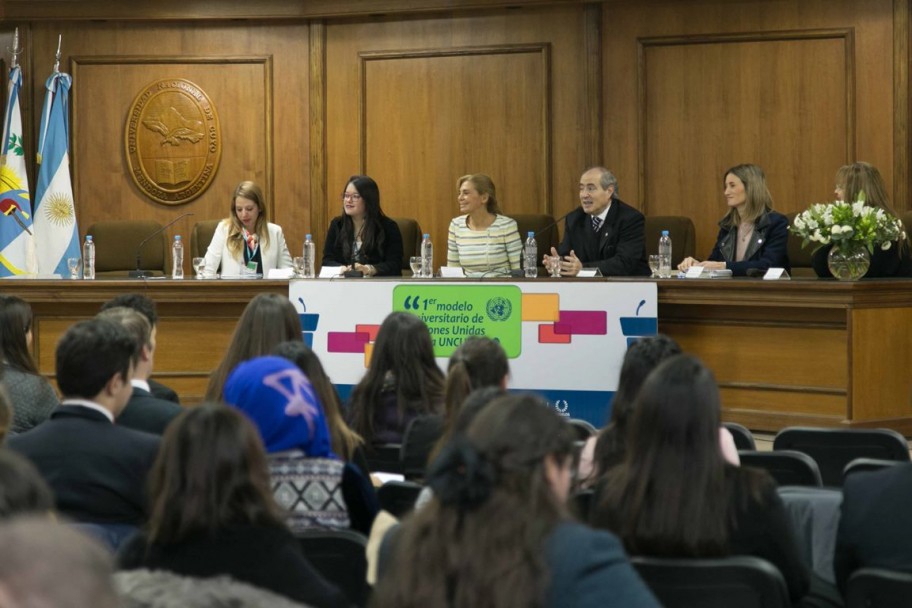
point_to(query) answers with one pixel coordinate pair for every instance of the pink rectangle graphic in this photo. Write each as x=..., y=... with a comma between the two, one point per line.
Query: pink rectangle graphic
x=582, y=322
x=346, y=341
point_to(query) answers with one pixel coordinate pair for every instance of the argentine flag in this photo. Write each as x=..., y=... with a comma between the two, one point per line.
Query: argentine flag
x=17, y=247
x=56, y=233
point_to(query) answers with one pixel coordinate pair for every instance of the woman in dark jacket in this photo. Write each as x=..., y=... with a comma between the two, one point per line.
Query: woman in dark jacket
x=363, y=238
x=752, y=237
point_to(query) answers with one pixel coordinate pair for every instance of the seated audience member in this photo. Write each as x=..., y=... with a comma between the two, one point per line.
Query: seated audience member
x=875, y=524
x=482, y=241
x=213, y=513
x=345, y=442
x=676, y=496
x=311, y=484
x=267, y=321
x=144, y=412
x=752, y=237
x=246, y=241
x=607, y=449
x=32, y=397
x=402, y=381
x=50, y=565
x=604, y=233
x=22, y=489
x=363, y=238
x=851, y=182
x=96, y=469
x=497, y=532
x=146, y=308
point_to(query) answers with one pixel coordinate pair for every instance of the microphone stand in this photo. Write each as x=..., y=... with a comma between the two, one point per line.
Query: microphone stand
x=139, y=273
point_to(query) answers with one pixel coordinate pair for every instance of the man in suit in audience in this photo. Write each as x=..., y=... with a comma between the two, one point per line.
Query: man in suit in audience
x=875, y=525
x=144, y=411
x=604, y=233
x=96, y=469
x=146, y=308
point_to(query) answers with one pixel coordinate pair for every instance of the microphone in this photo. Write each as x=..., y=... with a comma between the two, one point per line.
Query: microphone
x=552, y=225
x=139, y=273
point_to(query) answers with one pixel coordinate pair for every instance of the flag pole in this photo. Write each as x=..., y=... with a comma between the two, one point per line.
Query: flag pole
x=15, y=50
x=57, y=61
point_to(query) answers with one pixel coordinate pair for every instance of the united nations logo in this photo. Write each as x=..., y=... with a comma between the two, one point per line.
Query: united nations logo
x=173, y=141
x=562, y=407
x=499, y=309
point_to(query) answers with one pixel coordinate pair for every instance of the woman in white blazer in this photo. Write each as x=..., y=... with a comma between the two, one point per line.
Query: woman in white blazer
x=246, y=242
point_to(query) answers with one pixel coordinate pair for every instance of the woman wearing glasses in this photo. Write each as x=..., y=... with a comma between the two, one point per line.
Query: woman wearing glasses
x=363, y=238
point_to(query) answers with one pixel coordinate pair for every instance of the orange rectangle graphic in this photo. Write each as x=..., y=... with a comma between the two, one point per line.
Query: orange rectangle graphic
x=540, y=307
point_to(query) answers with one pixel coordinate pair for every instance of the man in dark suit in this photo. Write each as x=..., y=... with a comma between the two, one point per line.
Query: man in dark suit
x=875, y=525
x=146, y=308
x=144, y=411
x=96, y=469
x=604, y=233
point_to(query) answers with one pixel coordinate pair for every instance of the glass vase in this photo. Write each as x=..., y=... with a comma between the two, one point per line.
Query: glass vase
x=849, y=261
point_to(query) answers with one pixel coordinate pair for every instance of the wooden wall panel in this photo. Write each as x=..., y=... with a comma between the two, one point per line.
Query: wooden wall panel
x=760, y=90
x=692, y=88
x=256, y=77
x=419, y=102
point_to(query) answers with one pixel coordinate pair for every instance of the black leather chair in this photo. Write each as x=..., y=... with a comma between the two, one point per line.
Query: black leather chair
x=787, y=467
x=116, y=244
x=201, y=236
x=411, y=241
x=384, y=457
x=398, y=497
x=866, y=465
x=876, y=588
x=419, y=439
x=742, y=581
x=340, y=556
x=546, y=231
x=744, y=439
x=833, y=449
x=680, y=229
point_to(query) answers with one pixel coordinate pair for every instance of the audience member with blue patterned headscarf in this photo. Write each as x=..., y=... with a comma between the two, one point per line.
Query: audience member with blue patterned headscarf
x=315, y=487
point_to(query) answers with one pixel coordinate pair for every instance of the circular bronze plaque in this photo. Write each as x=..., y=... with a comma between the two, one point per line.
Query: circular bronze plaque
x=173, y=141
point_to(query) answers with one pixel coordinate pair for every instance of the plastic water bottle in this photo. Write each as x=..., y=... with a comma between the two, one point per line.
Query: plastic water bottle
x=177, y=258
x=310, y=253
x=665, y=255
x=427, y=256
x=88, y=258
x=530, y=256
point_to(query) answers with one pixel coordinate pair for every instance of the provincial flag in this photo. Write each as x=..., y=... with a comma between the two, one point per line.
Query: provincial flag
x=56, y=233
x=17, y=247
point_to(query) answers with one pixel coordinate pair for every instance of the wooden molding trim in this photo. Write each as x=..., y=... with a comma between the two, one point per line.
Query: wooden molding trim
x=543, y=49
x=265, y=61
x=592, y=21
x=901, y=144
x=846, y=34
x=318, y=178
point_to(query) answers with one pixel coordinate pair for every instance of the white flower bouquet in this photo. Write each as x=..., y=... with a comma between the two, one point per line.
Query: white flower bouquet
x=847, y=224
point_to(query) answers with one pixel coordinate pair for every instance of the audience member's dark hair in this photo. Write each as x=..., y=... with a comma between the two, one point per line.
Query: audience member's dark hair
x=402, y=360
x=211, y=472
x=22, y=489
x=471, y=406
x=89, y=354
x=15, y=323
x=134, y=322
x=268, y=320
x=641, y=358
x=6, y=414
x=47, y=564
x=478, y=362
x=480, y=541
x=671, y=494
x=344, y=440
x=140, y=303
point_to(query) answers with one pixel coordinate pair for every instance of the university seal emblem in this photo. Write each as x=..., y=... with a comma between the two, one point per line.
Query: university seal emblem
x=173, y=141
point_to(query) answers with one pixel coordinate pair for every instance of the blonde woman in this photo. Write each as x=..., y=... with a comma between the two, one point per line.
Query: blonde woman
x=245, y=241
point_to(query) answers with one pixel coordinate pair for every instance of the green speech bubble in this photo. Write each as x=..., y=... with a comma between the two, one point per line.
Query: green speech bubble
x=455, y=312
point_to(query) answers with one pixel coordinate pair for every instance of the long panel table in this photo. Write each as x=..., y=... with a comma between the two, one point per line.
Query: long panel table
x=807, y=352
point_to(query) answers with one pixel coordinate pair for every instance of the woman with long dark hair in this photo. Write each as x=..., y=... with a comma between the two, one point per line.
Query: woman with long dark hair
x=496, y=533
x=402, y=381
x=268, y=320
x=32, y=397
x=363, y=238
x=675, y=495
x=213, y=513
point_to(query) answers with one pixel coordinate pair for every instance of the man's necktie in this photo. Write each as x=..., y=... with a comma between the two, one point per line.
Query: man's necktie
x=596, y=223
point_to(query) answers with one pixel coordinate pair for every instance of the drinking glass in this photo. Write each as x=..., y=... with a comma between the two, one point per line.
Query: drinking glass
x=654, y=265
x=415, y=263
x=554, y=266
x=73, y=266
x=298, y=264
x=199, y=266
